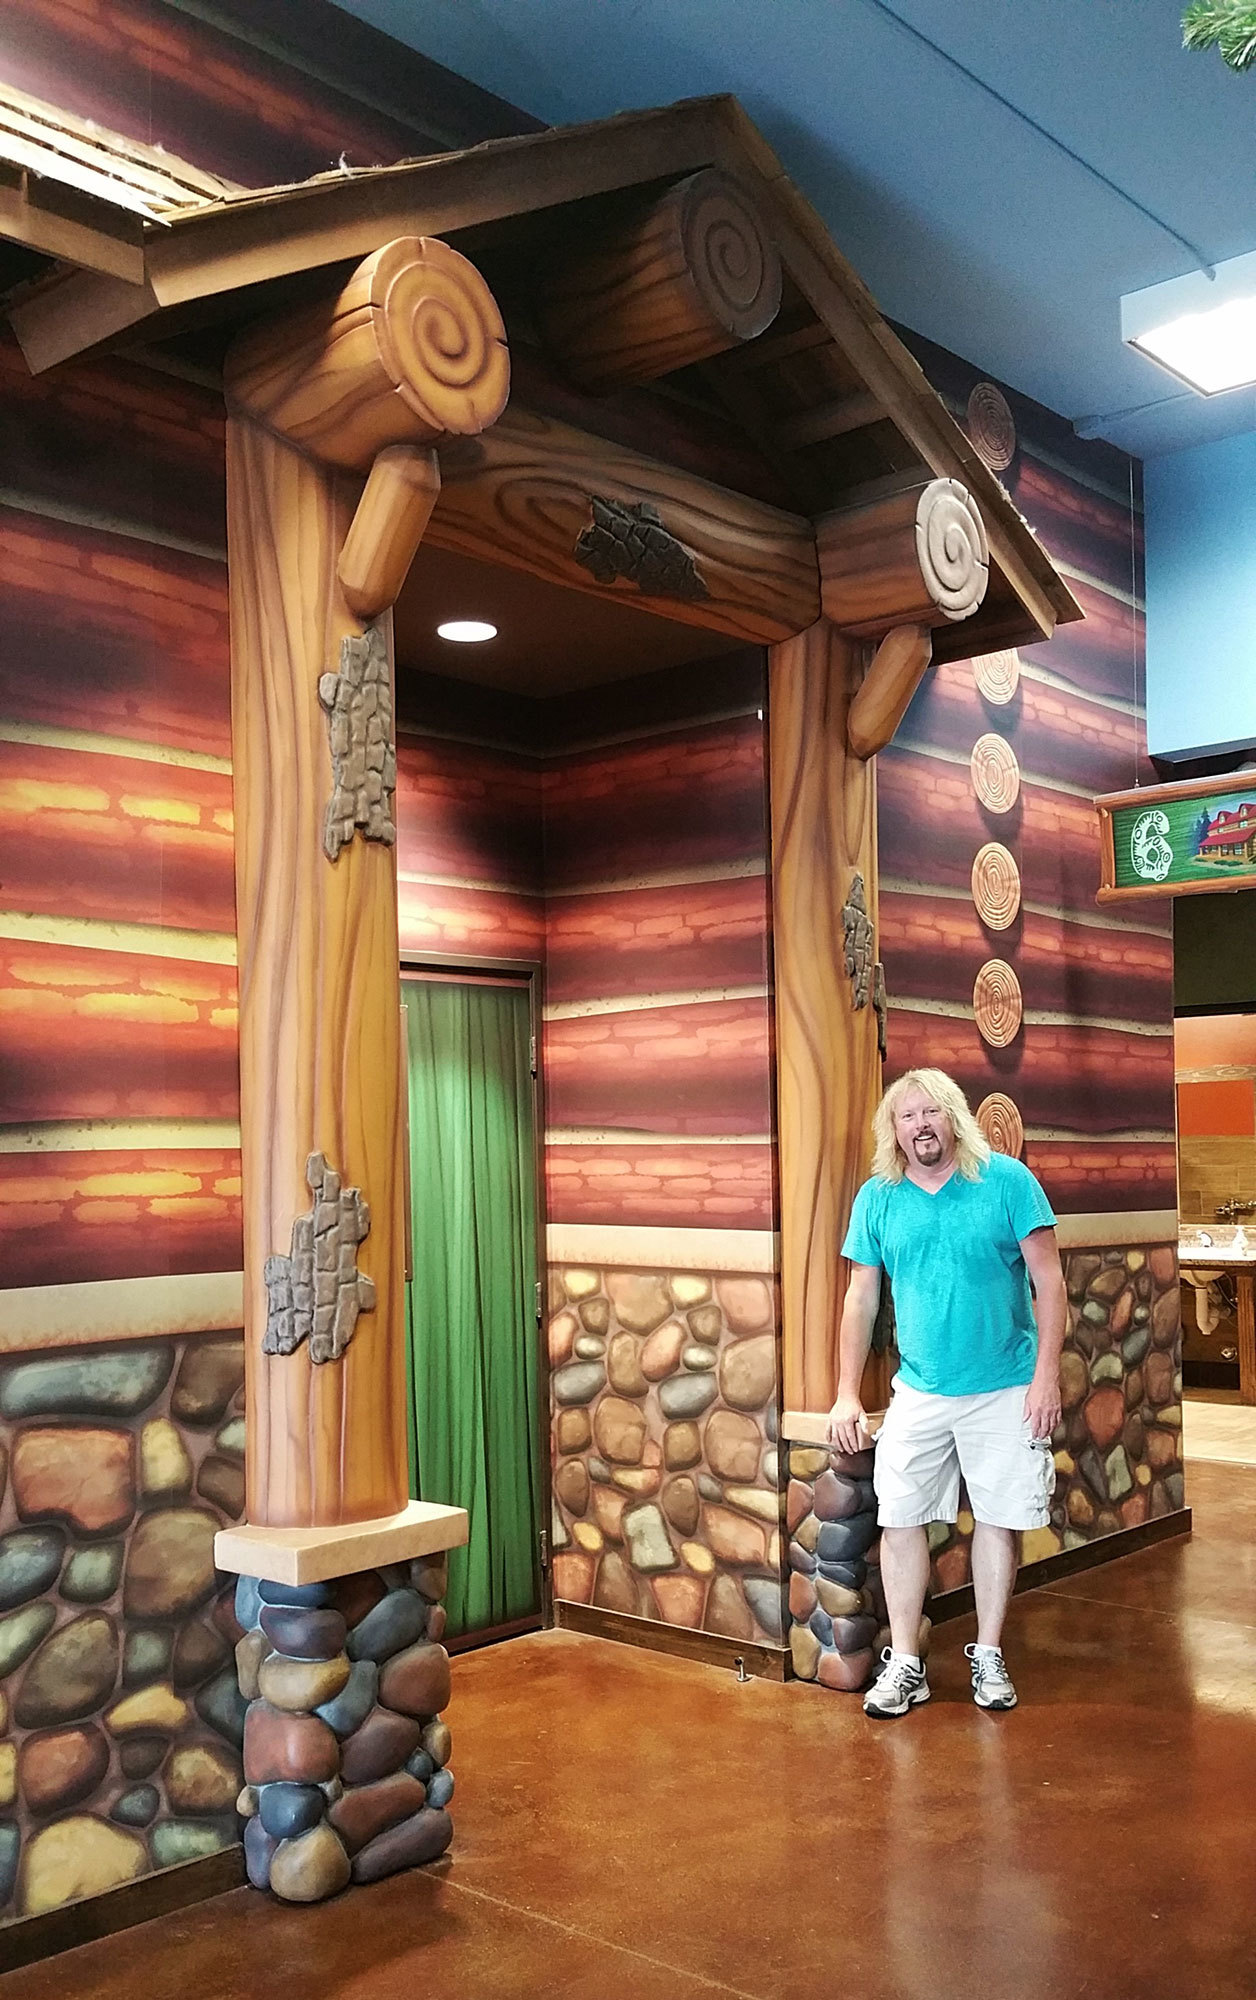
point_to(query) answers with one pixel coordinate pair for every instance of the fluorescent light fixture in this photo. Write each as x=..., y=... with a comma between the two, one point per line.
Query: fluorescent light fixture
x=1203, y=330
x=466, y=631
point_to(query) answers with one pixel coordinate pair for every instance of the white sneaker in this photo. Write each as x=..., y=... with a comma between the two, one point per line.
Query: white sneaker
x=992, y=1684
x=900, y=1683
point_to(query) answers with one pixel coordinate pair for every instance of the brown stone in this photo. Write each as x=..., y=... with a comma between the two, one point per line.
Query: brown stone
x=661, y=1352
x=747, y=1303
x=58, y=1769
x=748, y=1372
x=170, y=1565
x=298, y=1686
x=437, y=1741
x=836, y=1497
x=623, y=1369
x=638, y=1479
x=733, y=1444
x=140, y=1756
x=572, y=1432
x=249, y=1653
x=357, y=1595
x=1074, y=1379
x=1080, y=1508
x=806, y=1461
x=298, y=1748
x=561, y=1337
x=310, y=1868
x=85, y=1477
x=727, y=1611
x=595, y=1316
x=682, y=1446
x=430, y=1576
x=608, y=1509
x=199, y=1651
x=209, y=1375
x=416, y=1682
x=379, y=1747
x=1122, y=1312
x=571, y=1484
x=855, y=1464
x=1133, y=1388
x=1105, y=1415
x=616, y=1587
x=1163, y=1449
x=797, y=1503
x=1133, y=1437
x=75, y=1858
x=221, y=1481
x=408, y=1845
x=732, y=1537
x=802, y=1596
x=680, y=1504
x=838, y=1600
x=807, y=1533
x=804, y=1650
x=680, y=1599
x=1158, y=1377
x=1108, y=1282
x=573, y=1578
x=1163, y=1263
x=619, y=1428
x=202, y=1778
x=641, y=1299
x=72, y=1675
x=706, y=1324
x=1134, y=1510
x=846, y=1672
x=366, y=1811
x=951, y=1568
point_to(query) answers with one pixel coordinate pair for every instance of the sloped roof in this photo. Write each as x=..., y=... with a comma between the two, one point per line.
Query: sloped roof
x=849, y=410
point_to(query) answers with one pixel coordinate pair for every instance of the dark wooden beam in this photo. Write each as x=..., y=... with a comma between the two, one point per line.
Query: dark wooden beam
x=830, y=420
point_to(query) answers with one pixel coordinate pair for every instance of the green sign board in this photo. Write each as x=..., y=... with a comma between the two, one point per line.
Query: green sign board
x=1163, y=843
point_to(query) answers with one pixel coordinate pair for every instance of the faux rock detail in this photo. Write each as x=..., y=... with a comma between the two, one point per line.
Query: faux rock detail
x=836, y=1603
x=359, y=706
x=120, y=1721
x=667, y=1500
x=345, y=1752
x=316, y=1292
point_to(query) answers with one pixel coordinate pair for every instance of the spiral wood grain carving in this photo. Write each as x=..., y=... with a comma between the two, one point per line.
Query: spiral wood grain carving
x=440, y=334
x=1000, y=1121
x=996, y=886
x=997, y=1004
x=991, y=427
x=951, y=548
x=732, y=261
x=997, y=676
x=995, y=773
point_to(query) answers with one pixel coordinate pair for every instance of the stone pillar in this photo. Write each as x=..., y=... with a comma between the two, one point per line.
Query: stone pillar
x=346, y=1757
x=836, y=1603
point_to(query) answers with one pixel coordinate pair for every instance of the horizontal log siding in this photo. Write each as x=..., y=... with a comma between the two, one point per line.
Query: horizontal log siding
x=68, y=1218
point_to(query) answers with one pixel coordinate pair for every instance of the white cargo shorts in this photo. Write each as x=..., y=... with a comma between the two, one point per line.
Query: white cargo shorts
x=927, y=1442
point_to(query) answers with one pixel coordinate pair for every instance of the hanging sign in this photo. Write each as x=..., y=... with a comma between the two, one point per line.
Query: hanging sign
x=1178, y=839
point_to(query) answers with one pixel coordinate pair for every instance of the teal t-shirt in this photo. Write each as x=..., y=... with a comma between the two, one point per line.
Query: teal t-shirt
x=961, y=1290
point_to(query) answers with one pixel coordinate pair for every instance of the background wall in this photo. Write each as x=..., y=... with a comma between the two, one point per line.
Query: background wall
x=1216, y=1095
x=1201, y=608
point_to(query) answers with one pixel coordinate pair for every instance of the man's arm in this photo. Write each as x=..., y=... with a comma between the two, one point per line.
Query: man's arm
x=848, y=1428
x=1042, y=1398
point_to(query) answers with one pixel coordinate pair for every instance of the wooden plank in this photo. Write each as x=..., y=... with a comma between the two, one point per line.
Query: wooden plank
x=710, y=1649
x=312, y=1555
x=1245, y=1288
x=37, y=1318
x=161, y=1894
x=830, y=420
x=110, y=245
x=522, y=492
x=828, y=1071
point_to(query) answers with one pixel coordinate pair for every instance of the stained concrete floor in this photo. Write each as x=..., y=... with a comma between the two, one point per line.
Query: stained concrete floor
x=631, y=1827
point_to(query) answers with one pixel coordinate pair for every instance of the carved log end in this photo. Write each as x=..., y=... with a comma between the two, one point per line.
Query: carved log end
x=441, y=336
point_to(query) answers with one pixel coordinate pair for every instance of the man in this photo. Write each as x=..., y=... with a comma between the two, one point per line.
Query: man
x=960, y=1232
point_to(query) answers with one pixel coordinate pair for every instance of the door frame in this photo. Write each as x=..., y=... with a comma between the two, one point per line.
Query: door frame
x=528, y=973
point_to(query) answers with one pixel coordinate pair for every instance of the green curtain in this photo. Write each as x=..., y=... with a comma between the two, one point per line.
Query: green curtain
x=472, y=1347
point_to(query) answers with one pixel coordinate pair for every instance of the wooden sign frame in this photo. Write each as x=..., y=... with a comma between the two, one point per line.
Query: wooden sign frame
x=1156, y=800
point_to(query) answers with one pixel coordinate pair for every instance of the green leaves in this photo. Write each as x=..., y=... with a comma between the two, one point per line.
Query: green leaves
x=1226, y=25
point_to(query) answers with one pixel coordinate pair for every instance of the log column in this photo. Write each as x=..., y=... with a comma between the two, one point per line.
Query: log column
x=359, y=388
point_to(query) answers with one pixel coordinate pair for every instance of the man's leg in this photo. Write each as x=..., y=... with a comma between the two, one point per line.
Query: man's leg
x=905, y=1578
x=994, y=1574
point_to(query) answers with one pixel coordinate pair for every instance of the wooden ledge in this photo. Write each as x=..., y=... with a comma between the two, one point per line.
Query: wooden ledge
x=315, y=1555
x=811, y=1426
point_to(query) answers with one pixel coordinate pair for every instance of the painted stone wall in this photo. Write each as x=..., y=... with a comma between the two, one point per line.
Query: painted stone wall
x=120, y=1720
x=667, y=1490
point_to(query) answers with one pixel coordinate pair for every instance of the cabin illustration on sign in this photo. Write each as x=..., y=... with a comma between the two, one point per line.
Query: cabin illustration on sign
x=1231, y=836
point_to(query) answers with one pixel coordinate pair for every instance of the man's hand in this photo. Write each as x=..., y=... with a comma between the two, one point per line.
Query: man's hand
x=848, y=1425
x=1042, y=1405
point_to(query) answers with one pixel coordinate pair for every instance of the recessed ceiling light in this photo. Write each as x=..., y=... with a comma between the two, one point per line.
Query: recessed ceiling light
x=1201, y=329
x=466, y=631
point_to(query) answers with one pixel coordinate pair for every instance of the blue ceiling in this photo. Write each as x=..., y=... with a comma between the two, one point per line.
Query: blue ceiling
x=968, y=224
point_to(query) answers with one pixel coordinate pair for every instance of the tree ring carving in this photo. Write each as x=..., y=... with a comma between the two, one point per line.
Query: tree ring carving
x=951, y=548
x=441, y=336
x=731, y=258
x=991, y=426
x=996, y=886
x=997, y=1005
x=995, y=773
x=1001, y=1125
x=997, y=676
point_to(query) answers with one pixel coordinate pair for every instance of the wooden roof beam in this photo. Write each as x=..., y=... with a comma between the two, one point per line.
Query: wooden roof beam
x=832, y=419
x=97, y=238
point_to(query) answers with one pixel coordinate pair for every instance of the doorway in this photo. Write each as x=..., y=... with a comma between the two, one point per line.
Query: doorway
x=473, y=1365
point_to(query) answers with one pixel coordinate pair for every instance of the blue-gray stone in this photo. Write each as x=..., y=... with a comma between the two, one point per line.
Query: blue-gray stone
x=146, y=1656
x=91, y=1575
x=1134, y=1346
x=397, y=1621
x=286, y=1810
x=770, y=1423
x=1175, y=1487
x=440, y=1789
x=801, y=1559
x=307, y=1596
x=30, y=1563
x=599, y=1471
x=222, y=1706
x=578, y=1382
x=248, y=1602
x=354, y=1702
x=258, y=1849
x=684, y=1396
x=177, y=1840
x=822, y=1625
x=136, y=1807
x=21, y=1632
x=846, y=1541
x=764, y=1597
x=421, y=1766
x=1090, y=1465
x=851, y=1575
x=867, y=1496
x=709, y=1488
x=10, y=1854
x=99, y=1384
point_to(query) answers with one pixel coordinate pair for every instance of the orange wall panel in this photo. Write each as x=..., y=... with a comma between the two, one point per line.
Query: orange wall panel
x=1223, y=1109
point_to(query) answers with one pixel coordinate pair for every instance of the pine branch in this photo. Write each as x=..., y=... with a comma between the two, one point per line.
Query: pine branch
x=1229, y=26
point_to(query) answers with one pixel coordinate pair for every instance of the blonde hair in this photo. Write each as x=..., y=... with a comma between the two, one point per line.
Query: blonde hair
x=972, y=1149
